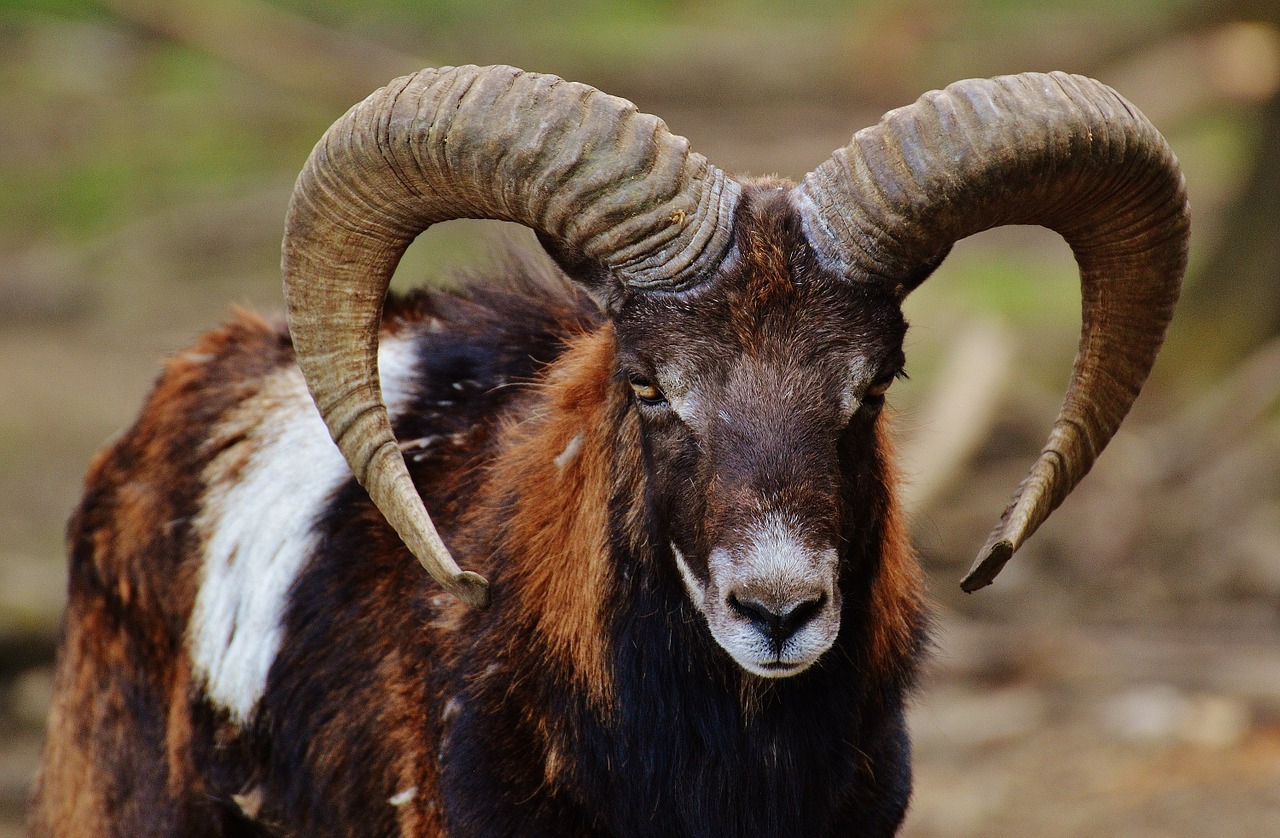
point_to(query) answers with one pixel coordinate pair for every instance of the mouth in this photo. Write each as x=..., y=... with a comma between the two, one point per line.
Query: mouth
x=777, y=668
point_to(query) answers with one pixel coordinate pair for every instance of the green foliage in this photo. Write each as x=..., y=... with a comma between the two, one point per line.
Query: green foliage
x=19, y=9
x=120, y=123
x=140, y=126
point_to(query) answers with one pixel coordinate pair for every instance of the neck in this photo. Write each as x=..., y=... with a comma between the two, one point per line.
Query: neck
x=568, y=459
x=594, y=657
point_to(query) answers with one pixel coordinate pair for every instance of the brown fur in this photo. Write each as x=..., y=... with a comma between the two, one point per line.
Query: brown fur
x=121, y=666
x=557, y=537
x=528, y=713
x=897, y=594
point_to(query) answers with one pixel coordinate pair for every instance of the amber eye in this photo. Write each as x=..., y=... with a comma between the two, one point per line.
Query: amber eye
x=646, y=391
x=877, y=390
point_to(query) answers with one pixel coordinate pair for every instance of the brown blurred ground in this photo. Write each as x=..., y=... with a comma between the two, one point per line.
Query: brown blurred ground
x=1122, y=678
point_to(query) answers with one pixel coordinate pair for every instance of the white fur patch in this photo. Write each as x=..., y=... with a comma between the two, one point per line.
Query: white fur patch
x=680, y=393
x=404, y=797
x=266, y=489
x=570, y=452
x=776, y=570
x=776, y=550
x=696, y=591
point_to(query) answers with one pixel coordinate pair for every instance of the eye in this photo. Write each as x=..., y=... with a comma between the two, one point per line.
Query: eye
x=879, y=388
x=646, y=391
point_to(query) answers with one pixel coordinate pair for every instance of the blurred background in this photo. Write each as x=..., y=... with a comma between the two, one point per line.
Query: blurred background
x=1123, y=675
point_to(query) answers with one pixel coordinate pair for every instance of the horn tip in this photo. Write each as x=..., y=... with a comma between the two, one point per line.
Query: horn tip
x=471, y=588
x=989, y=564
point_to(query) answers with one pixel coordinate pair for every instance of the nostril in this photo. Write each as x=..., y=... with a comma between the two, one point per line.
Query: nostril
x=755, y=611
x=778, y=626
x=797, y=617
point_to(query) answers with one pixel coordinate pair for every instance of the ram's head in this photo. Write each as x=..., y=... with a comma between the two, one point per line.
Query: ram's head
x=758, y=323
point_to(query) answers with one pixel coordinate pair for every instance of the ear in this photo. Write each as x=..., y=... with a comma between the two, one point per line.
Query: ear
x=599, y=284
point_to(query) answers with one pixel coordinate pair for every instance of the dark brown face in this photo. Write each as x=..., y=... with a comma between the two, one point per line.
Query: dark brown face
x=758, y=394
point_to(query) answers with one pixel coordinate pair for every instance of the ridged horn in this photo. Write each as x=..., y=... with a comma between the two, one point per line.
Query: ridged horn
x=1057, y=150
x=586, y=170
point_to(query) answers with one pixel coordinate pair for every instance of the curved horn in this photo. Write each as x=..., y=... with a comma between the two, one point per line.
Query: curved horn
x=1062, y=151
x=586, y=170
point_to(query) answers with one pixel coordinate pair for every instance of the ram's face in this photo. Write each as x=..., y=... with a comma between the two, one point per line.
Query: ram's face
x=758, y=395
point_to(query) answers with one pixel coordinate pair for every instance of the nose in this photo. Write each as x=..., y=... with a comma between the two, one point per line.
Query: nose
x=777, y=621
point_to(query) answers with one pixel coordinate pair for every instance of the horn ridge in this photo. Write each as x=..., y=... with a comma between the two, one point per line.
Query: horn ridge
x=585, y=169
x=1062, y=151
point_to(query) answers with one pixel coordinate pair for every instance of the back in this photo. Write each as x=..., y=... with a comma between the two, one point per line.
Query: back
x=199, y=527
